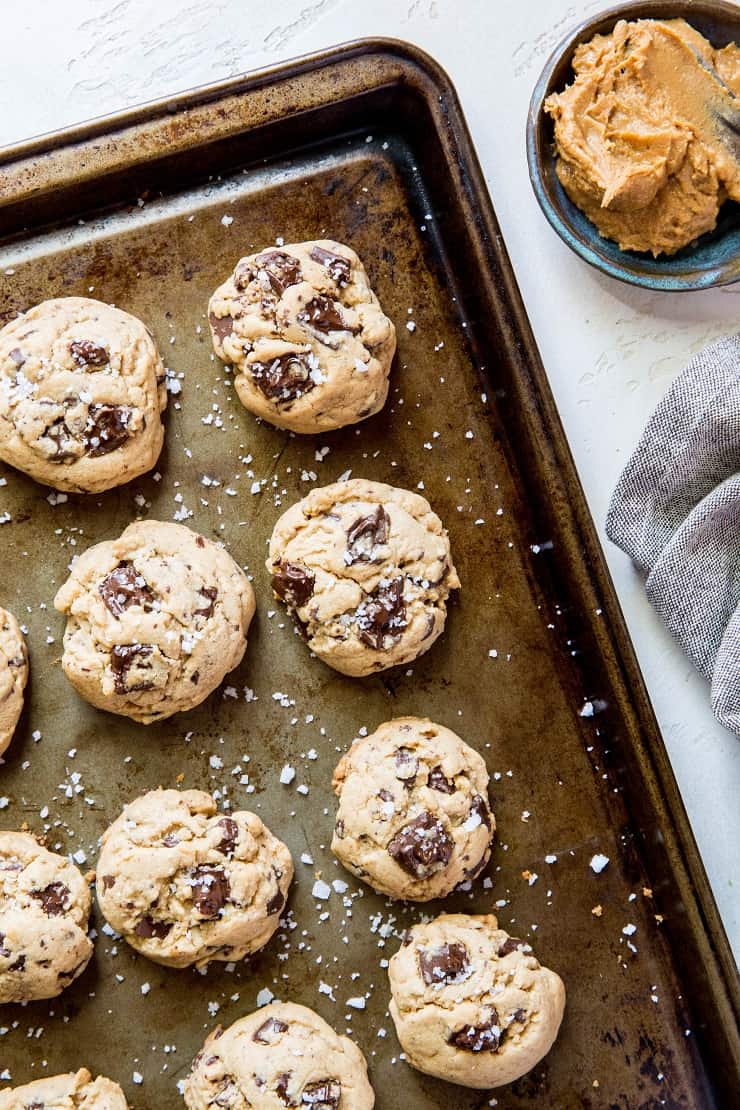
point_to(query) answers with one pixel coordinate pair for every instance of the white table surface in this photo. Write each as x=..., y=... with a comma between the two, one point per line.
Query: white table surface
x=610, y=350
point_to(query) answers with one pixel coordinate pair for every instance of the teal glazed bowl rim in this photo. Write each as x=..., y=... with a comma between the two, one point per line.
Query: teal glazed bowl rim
x=715, y=258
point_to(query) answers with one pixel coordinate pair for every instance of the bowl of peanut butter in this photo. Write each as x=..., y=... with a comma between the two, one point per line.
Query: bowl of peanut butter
x=633, y=143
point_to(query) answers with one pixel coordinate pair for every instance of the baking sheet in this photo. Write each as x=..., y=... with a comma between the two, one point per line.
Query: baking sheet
x=150, y=211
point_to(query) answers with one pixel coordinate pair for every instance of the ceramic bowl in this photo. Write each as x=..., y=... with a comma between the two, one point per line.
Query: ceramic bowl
x=712, y=260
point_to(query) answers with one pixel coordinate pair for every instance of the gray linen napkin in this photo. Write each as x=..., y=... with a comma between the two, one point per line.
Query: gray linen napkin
x=676, y=512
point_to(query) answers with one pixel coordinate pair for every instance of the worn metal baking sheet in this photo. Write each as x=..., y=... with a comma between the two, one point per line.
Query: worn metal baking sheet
x=150, y=210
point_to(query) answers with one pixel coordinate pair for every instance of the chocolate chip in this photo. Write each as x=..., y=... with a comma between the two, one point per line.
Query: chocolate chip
x=336, y=265
x=18, y=965
x=107, y=429
x=322, y=314
x=479, y=806
x=86, y=353
x=366, y=534
x=478, y=1038
x=446, y=964
x=282, y=270
x=147, y=928
x=438, y=781
x=124, y=586
x=284, y=378
x=53, y=898
x=221, y=326
x=382, y=618
x=276, y=903
x=421, y=847
x=122, y=659
x=407, y=766
x=520, y=1016
x=511, y=944
x=293, y=584
x=211, y=890
x=326, y=1094
x=281, y=1088
x=18, y=357
x=108, y=881
x=269, y=1030
x=209, y=595
x=230, y=835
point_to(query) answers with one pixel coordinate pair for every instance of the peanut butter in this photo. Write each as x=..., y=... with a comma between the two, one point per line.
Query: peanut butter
x=639, y=148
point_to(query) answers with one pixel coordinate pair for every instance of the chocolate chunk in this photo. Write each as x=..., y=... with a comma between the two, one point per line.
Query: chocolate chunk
x=438, y=781
x=322, y=314
x=269, y=1030
x=63, y=440
x=284, y=378
x=326, y=1094
x=293, y=584
x=122, y=659
x=147, y=928
x=124, y=586
x=480, y=807
x=407, y=766
x=511, y=944
x=209, y=595
x=382, y=617
x=170, y=840
x=108, y=882
x=230, y=835
x=337, y=267
x=475, y=870
x=221, y=325
x=18, y=965
x=520, y=1016
x=107, y=429
x=478, y=1038
x=18, y=357
x=447, y=964
x=211, y=890
x=385, y=795
x=281, y=1088
x=53, y=898
x=228, y=1093
x=421, y=847
x=282, y=270
x=366, y=534
x=276, y=903
x=4, y=952
x=86, y=353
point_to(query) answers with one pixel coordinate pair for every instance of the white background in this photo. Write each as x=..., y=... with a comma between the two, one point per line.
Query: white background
x=610, y=351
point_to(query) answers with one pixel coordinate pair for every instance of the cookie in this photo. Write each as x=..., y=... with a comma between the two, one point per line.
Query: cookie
x=44, y=907
x=310, y=344
x=13, y=676
x=366, y=569
x=82, y=390
x=155, y=620
x=184, y=884
x=470, y=1003
x=413, y=818
x=281, y=1055
x=74, y=1091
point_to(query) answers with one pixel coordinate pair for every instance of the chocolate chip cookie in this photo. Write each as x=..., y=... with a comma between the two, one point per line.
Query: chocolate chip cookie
x=74, y=1091
x=470, y=1003
x=413, y=818
x=13, y=676
x=82, y=390
x=155, y=620
x=281, y=1055
x=366, y=570
x=310, y=343
x=44, y=907
x=184, y=884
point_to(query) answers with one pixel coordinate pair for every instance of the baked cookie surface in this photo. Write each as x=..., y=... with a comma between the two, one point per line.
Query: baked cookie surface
x=311, y=345
x=13, y=676
x=470, y=1003
x=366, y=569
x=155, y=620
x=44, y=907
x=82, y=390
x=73, y=1091
x=413, y=818
x=184, y=884
x=281, y=1055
